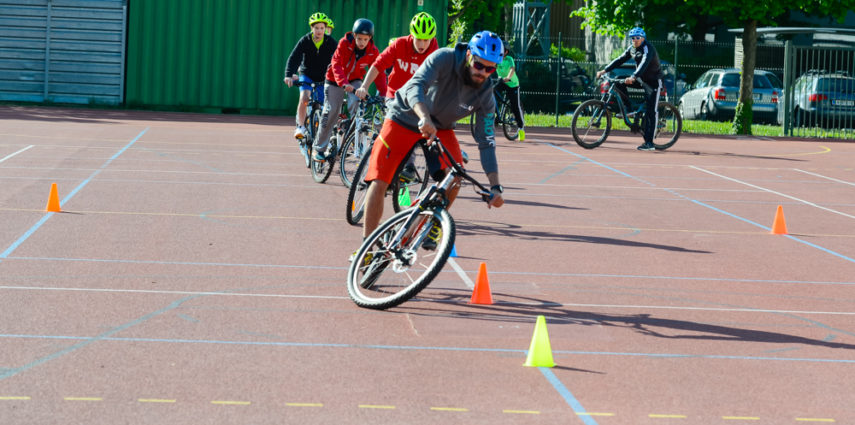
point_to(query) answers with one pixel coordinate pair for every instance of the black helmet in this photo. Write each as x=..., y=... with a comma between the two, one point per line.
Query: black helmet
x=363, y=26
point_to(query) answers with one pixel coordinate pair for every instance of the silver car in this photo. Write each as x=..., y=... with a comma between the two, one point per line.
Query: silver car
x=716, y=92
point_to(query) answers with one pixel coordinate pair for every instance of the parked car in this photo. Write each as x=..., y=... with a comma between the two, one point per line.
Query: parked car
x=825, y=99
x=716, y=92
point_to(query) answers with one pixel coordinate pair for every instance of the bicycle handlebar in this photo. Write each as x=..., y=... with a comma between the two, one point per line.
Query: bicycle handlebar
x=612, y=80
x=437, y=147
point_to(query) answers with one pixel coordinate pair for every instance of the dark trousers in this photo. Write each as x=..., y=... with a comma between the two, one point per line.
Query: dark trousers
x=513, y=95
x=651, y=100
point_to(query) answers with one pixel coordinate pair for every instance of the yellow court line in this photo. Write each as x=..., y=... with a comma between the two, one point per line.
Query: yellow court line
x=83, y=399
x=824, y=150
x=450, y=409
x=661, y=416
x=528, y=412
x=156, y=400
x=14, y=398
x=375, y=406
x=305, y=404
x=741, y=418
x=815, y=420
x=231, y=402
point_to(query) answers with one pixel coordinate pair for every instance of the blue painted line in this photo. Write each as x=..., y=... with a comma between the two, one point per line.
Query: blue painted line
x=562, y=171
x=39, y=224
x=812, y=245
x=26, y=235
x=521, y=353
x=87, y=341
x=567, y=395
x=181, y=263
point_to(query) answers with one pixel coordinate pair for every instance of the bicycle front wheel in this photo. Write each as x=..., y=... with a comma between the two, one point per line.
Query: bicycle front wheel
x=411, y=178
x=358, y=191
x=509, y=124
x=591, y=124
x=321, y=170
x=354, y=148
x=386, y=272
x=668, y=127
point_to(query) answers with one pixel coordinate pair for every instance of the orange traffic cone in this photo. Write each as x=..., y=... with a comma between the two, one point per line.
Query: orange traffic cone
x=53, y=200
x=779, y=226
x=481, y=293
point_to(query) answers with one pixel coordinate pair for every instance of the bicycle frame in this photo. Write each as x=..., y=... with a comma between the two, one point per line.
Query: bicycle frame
x=610, y=94
x=435, y=197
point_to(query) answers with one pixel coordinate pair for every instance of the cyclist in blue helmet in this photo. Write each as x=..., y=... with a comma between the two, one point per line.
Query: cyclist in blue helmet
x=648, y=76
x=448, y=86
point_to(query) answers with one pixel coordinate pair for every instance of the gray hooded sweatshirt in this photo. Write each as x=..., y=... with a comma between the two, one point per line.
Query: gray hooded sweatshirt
x=439, y=84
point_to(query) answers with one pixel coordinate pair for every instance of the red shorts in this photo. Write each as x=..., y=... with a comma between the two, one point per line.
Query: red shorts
x=394, y=143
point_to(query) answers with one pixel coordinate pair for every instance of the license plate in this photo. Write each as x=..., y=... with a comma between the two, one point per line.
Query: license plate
x=843, y=102
x=758, y=96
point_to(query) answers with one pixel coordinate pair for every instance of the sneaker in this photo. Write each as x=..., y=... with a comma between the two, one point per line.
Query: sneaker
x=300, y=132
x=646, y=147
x=365, y=261
x=319, y=155
x=430, y=242
x=522, y=135
x=408, y=174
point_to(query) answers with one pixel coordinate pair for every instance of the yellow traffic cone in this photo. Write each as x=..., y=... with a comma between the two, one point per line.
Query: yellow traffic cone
x=540, y=351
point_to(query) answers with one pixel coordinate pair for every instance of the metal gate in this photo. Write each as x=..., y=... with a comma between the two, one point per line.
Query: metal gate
x=819, y=87
x=62, y=51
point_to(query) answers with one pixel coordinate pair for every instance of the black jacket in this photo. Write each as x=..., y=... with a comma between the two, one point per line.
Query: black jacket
x=647, y=66
x=313, y=62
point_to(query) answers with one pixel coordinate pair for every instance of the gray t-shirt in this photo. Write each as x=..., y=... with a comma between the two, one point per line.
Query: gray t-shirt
x=439, y=84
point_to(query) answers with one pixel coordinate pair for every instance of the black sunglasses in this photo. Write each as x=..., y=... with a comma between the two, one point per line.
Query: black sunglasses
x=481, y=67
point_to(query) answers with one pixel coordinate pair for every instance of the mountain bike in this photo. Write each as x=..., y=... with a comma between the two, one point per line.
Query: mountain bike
x=358, y=135
x=313, y=120
x=393, y=263
x=504, y=117
x=592, y=120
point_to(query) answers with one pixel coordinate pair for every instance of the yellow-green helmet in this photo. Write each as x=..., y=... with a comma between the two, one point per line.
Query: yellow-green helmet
x=330, y=23
x=423, y=26
x=319, y=17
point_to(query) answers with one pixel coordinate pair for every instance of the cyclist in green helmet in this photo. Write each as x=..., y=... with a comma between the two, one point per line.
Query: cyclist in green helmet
x=312, y=54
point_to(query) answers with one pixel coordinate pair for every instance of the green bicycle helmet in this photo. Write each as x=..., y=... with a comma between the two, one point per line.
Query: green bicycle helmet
x=423, y=26
x=330, y=23
x=319, y=17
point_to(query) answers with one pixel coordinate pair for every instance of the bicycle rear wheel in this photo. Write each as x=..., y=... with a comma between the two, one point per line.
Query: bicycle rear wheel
x=411, y=178
x=668, y=127
x=591, y=124
x=509, y=124
x=385, y=273
x=358, y=191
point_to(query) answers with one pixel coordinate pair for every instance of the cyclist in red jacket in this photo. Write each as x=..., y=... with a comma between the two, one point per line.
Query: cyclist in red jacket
x=355, y=53
x=405, y=55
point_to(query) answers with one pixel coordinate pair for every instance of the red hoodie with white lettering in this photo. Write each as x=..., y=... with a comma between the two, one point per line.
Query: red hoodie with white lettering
x=406, y=61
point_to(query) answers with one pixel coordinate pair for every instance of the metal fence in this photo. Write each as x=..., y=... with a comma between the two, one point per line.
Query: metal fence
x=815, y=85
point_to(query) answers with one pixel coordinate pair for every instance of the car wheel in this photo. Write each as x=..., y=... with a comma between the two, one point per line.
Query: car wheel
x=705, y=113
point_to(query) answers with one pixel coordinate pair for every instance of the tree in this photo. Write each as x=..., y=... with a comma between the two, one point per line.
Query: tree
x=470, y=16
x=614, y=17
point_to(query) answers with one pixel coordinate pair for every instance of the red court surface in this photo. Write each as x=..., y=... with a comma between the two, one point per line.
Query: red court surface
x=196, y=275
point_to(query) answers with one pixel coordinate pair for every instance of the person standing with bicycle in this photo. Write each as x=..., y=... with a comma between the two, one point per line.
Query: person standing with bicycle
x=450, y=85
x=312, y=54
x=509, y=84
x=647, y=76
x=355, y=53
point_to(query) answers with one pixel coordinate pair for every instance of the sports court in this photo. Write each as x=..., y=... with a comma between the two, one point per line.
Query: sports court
x=196, y=274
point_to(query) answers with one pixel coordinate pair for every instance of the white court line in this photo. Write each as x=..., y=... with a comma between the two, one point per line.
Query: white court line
x=825, y=177
x=535, y=304
x=11, y=155
x=774, y=192
x=461, y=273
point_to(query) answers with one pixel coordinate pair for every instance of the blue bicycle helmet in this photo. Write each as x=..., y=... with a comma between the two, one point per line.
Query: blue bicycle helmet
x=487, y=45
x=637, y=31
